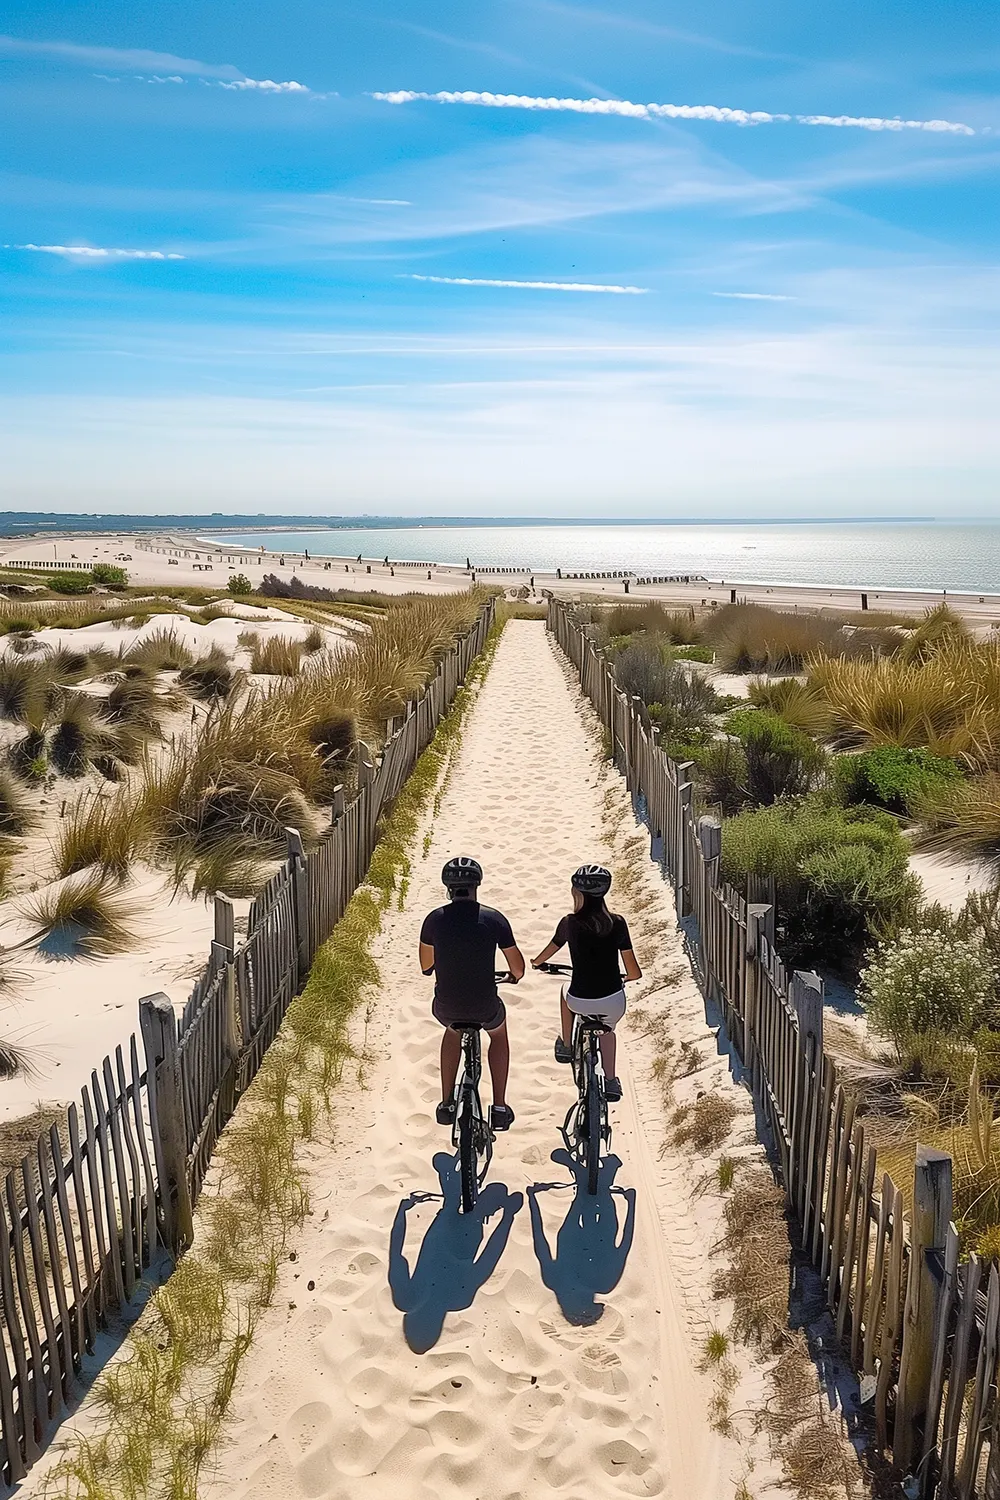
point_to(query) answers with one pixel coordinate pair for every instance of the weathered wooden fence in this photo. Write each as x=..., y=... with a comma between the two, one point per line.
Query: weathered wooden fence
x=922, y=1332
x=88, y=1210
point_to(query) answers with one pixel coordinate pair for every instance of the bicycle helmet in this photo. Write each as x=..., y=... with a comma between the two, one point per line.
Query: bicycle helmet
x=592, y=880
x=462, y=872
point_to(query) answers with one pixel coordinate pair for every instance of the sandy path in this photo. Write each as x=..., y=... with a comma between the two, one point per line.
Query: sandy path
x=413, y=1353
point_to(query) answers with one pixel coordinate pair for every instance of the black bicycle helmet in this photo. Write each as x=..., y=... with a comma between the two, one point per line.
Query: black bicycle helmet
x=462, y=871
x=592, y=880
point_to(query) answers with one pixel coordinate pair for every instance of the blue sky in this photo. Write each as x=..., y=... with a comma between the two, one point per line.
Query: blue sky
x=234, y=277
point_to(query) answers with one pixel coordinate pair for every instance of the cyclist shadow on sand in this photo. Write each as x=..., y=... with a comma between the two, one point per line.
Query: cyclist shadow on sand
x=591, y=1245
x=453, y=1261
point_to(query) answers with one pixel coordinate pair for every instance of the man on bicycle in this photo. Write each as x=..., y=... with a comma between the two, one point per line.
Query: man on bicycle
x=458, y=945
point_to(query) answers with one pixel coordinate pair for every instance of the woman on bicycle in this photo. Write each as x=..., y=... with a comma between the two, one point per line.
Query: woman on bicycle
x=595, y=936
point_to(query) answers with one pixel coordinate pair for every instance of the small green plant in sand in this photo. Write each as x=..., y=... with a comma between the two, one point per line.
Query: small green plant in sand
x=161, y=1406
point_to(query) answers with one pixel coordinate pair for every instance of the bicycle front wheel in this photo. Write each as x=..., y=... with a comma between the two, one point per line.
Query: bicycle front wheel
x=467, y=1160
x=592, y=1127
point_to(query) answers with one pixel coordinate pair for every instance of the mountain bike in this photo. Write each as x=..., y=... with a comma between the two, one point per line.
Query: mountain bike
x=472, y=1135
x=587, y=1125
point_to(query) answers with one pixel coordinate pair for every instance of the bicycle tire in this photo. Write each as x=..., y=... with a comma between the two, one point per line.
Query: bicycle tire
x=467, y=1160
x=593, y=1130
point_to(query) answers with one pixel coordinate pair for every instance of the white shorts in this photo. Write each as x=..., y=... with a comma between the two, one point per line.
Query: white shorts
x=610, y=1008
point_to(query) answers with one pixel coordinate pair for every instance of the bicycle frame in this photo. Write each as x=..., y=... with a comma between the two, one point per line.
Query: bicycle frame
x=469, y=1108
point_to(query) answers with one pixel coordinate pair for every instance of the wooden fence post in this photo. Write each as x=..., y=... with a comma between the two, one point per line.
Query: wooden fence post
x=806, y=993
x=685, y=793
x=932, y=1210
x=710, y=838
x=225, y=925
x=299, y=872
x=158, y=1025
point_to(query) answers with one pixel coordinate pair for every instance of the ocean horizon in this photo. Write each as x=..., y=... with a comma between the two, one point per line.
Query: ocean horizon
x=917, y=555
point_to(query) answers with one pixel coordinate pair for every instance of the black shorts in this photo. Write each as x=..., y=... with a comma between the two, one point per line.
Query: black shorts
x=443, y=1012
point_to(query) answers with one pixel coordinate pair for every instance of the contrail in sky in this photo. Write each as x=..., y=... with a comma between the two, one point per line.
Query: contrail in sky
x=537, y=286
x=632, y=111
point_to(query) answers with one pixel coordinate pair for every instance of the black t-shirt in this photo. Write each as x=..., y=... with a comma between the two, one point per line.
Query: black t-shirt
x=595, y=956
x=465, y=937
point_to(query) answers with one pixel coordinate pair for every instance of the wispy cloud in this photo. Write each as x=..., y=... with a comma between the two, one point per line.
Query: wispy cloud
x=130, y=59
x=267, y=86
x=718, y=113
x=145, y=66
x=536, y=286
x=754, y=296
x=98, y=252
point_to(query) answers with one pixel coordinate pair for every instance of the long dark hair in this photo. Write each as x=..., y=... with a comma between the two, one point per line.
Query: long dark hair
x=593, y=915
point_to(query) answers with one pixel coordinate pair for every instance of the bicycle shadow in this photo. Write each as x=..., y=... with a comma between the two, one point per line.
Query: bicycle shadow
x=591, y=1247
x=453, y=1262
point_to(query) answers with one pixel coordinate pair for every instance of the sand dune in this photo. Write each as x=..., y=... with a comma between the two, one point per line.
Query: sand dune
x=547, y=1344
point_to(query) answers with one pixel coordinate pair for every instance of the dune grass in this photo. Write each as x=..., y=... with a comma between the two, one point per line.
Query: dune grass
x=162, y=650
x=161, y=1407
x=753, y=638
x=948, y=703
x=17, y=815
x=84, y=918
x=278, y=655
x=211, y=676
x=99, y=831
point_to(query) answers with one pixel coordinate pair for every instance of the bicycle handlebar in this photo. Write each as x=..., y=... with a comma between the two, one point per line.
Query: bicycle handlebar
x=504, y=976
x=553, y=968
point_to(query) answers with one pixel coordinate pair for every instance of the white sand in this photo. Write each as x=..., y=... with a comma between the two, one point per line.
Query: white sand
x=413, y=1354
x=950, y=881
x=69, y=1014
x=181, y=558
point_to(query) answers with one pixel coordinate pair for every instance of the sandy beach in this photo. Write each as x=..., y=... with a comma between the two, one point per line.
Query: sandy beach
x=549, y=1344
x=184, y=559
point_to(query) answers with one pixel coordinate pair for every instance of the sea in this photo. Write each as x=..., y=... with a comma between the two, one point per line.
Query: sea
x=913, y=555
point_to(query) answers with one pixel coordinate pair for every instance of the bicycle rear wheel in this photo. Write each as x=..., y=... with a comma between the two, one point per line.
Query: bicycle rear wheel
x=467, y=1160
x=592, y=1129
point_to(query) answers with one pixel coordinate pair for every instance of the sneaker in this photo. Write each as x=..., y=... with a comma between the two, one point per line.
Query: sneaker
x=612, y=1090
x=445, y=1112
x=564, y=1052
x=501, y=1116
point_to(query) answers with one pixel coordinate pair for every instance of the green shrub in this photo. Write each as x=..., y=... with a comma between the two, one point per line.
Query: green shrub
x=109, y=575
x=694, y=652
x=69, y=583
x=681, y=702
x=240, y=584
x=841, y=875
x=721, y=772
x=893, y=777
x=781, y=760
x=929, y=982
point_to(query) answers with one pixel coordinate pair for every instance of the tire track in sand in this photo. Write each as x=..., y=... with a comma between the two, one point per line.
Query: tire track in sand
x=517, y=1392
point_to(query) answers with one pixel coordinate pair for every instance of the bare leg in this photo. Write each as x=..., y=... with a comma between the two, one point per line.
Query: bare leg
x=451, y=1052
x=499, y=1061
x=609, y=1053
x=567, y=1020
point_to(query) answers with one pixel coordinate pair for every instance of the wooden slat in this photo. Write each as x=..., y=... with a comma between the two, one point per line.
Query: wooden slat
x=23, y=1439
x=959, y=1374
x=877, y=1277
x=986, y=1367
x=892, y=1319
x=108, y=1192
x=11, y=1434
x=853, y=1204
x=861, y=1292
x=80, y=1342
x=52, y=1365
x=149, y=1182
x=946, y=1303
x=65, y=1337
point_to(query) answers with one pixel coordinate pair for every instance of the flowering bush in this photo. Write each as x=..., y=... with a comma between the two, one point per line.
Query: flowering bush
x=929, y=982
